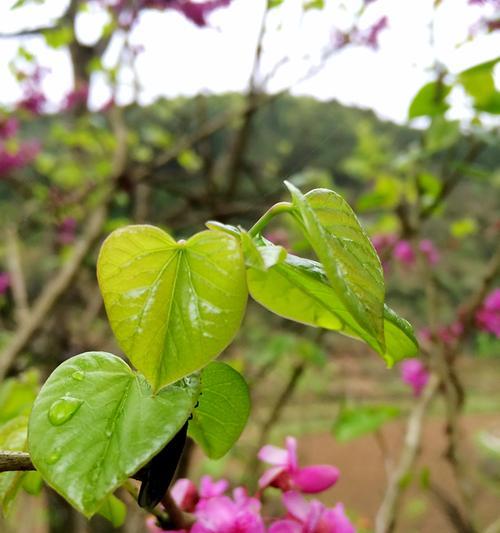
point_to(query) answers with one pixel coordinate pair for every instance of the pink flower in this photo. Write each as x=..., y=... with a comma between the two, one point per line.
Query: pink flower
x=19, y=158
x=404, y=253
x=76, y=98
x=450, y=334
x=4, y=282
x=488, y=317
x=8, y=127
x=196, y=12
x=185, y=494
x=287, y=475
x=429, y=250
x=414, y=373
x=66, y=231
x=33, y=101
x=210, y=488
x=222, y=514
x=311, y=517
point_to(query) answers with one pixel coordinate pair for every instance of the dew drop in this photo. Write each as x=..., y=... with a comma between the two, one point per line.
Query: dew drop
x=79, y=375
x=64, y=409
x=108, y=433
x=54, y=457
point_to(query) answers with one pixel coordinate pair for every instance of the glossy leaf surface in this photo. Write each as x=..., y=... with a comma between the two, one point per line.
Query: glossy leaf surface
x=298, y=289
x=222, y=411
x=347, y=255
x=96, y=422
x=173, y=306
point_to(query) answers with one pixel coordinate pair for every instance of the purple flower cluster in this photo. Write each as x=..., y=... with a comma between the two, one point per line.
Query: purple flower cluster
x=415, y=374
x=4, y=282
x=196, y=12
x=403, y=251
x=488, y=316
x=14, y=154
x=216, y=512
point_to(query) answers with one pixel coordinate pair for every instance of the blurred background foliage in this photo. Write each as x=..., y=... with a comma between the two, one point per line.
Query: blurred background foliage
x=70, y=176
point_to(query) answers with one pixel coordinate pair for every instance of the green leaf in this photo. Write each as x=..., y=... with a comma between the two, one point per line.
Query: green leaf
x=463, y=227
x=96, y=422
x=58, y=37
x=351, y=263
x=261, y=255
x=430, y=100
x=442, y=134
x=299, y=290
x=314, y=4
x=12, y=438
x=222, y=411
x=173, y=306
x=17, y=395
x=479, y=82
x=114, y=510
x=353, y=422
x=273, y=3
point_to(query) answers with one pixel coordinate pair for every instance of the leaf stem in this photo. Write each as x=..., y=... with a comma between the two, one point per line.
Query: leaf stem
x=276, y=209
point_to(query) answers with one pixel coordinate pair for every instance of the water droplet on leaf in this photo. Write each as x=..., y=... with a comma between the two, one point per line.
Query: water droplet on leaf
x=54, y=457
x=64, y=409
x=79, y=375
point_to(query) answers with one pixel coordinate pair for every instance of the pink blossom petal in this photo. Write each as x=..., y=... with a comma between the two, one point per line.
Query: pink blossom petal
x=285, y=526
x=336, y=520
x=414, y=373
x=291, y=446
x=273, y=455
x=317, y=478
x=185, y=494
x=209, y=488
x=270, y=475
x=297, y=506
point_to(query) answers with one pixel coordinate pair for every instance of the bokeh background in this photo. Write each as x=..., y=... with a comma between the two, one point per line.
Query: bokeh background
x=175, y=112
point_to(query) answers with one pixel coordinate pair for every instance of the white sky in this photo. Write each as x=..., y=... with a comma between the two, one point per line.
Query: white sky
x=180, y=58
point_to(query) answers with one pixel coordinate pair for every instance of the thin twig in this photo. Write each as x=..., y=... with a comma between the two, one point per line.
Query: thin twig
x=14, y=267
x=385, y=521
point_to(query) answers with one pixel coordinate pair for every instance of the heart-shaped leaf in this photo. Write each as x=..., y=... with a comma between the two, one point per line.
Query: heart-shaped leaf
x=173, y=306
x=222, y=410
x=96, y=422
x=298, y=289
x=346, y=253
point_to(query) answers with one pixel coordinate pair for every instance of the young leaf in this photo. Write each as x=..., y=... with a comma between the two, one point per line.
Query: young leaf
x=261, y=255
x=353, y=422
x=173, y=306
x=430, y=100
x=96, y=422
x=347, y=255
x=299, y=290
x=222, y=411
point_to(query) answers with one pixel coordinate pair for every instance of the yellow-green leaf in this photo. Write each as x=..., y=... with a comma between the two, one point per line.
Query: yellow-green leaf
x=173, y=306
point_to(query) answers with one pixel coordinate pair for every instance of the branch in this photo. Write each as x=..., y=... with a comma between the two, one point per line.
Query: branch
x=58, y=285
x=15, y=461
x=16, y=274
x=385, y=521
